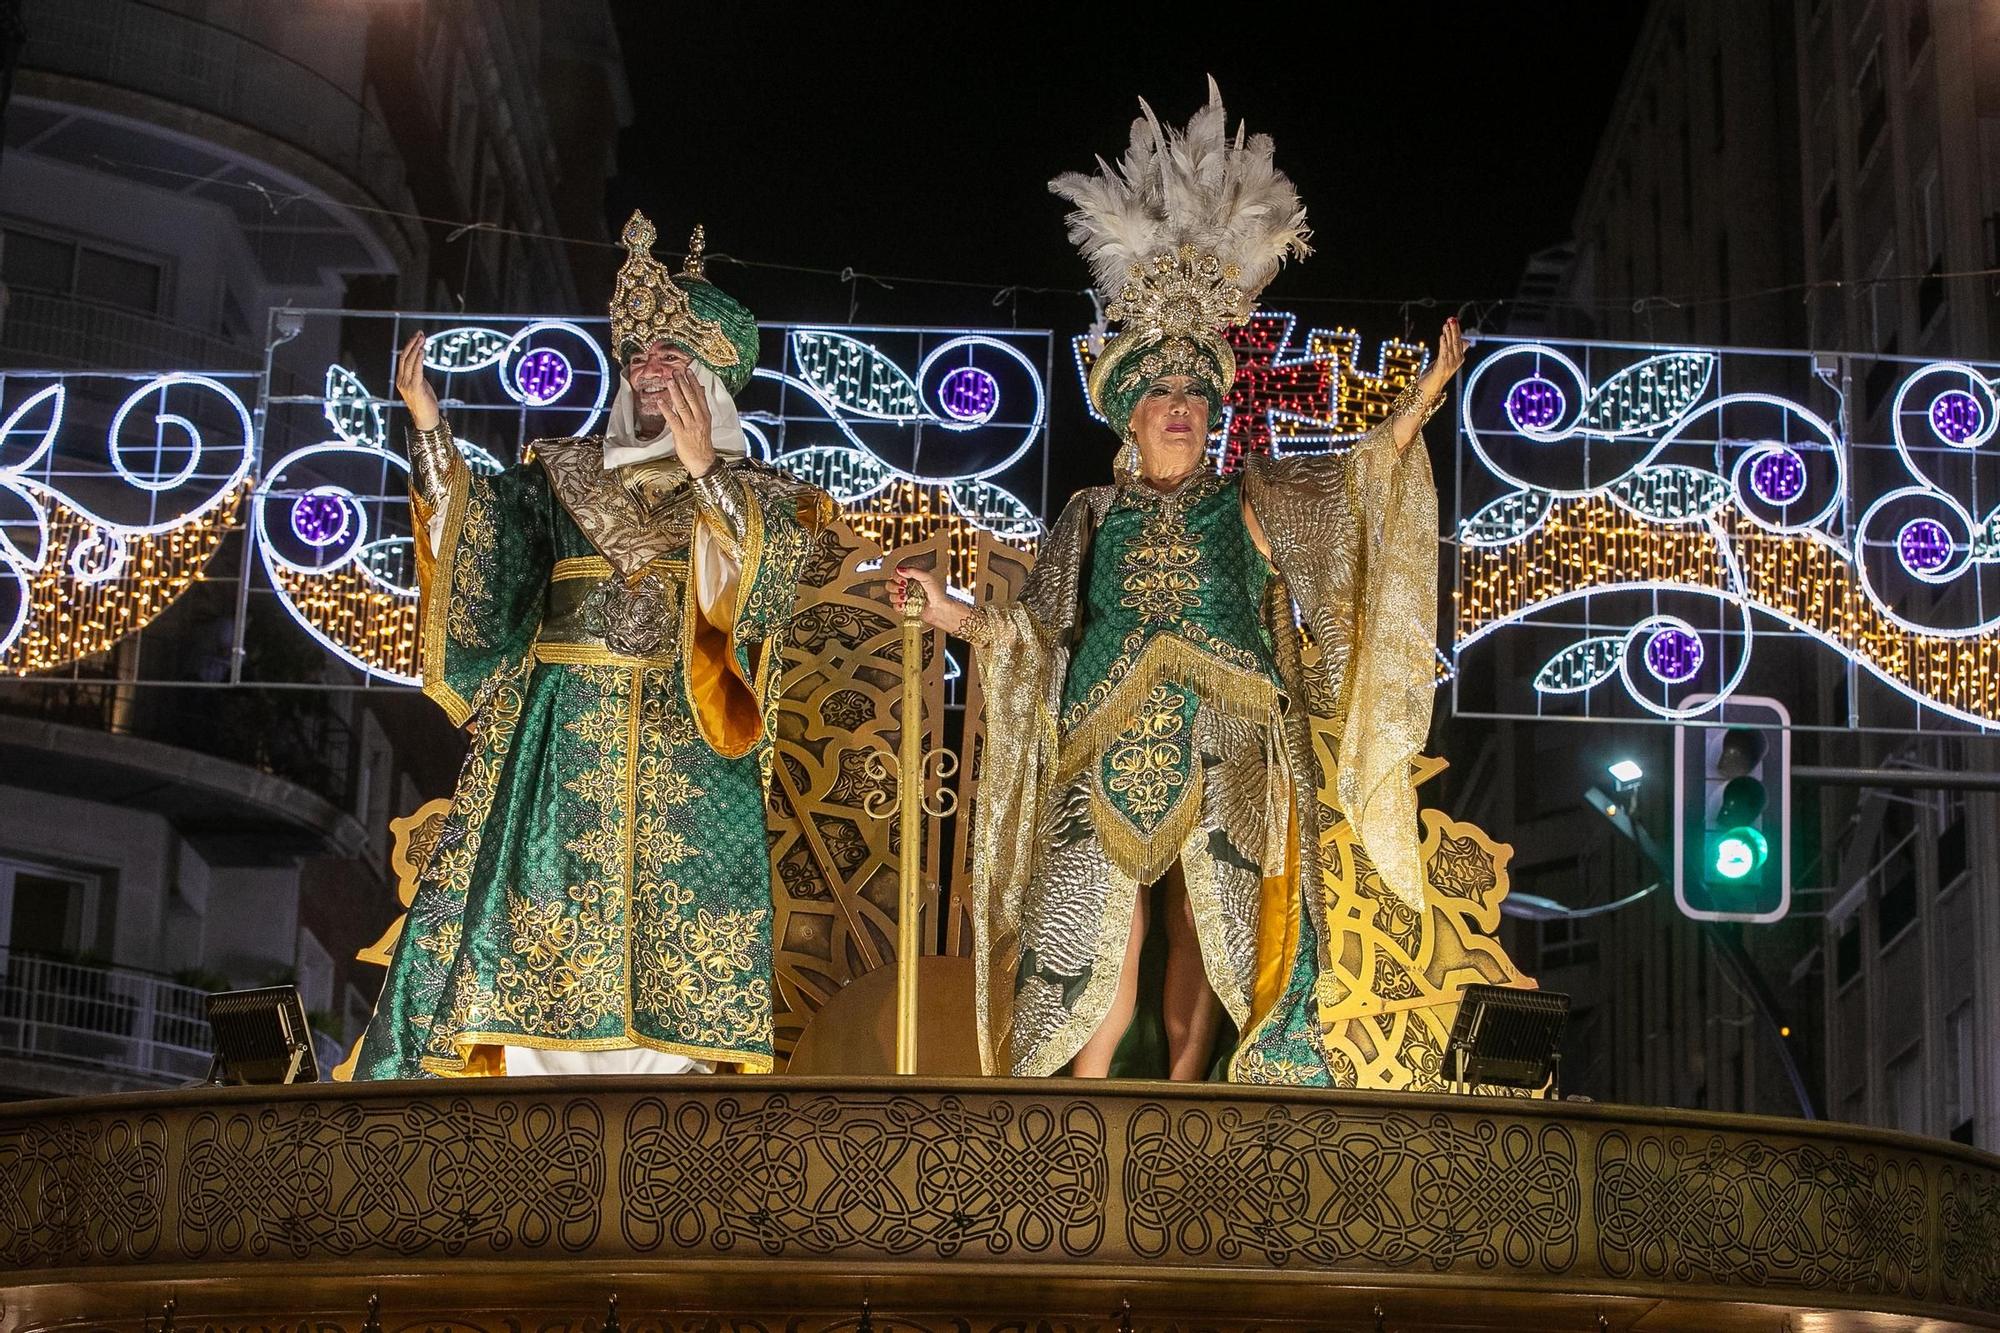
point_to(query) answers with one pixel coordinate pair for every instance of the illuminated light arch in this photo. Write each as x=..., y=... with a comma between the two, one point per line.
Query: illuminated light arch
x=350, y=602
x=1767, y=532
x=91, y=579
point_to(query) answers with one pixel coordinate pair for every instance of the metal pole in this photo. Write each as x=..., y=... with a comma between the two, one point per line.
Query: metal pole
x=1897, y=777
x=909, y=815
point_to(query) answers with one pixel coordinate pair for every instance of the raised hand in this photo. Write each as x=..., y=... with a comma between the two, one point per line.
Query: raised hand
x=1450, y=356
x=1415, y=404
x=413, y=388
x=685, y=407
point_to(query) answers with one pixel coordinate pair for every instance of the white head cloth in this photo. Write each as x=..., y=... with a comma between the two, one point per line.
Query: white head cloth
x=622, y=444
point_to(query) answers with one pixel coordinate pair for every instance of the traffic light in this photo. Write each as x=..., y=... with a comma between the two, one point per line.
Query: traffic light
x=1732, y=812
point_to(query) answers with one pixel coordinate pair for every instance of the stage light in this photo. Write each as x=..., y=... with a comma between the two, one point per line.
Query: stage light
x=1626, y=773
x=261, y=1036
x=1507, y=1038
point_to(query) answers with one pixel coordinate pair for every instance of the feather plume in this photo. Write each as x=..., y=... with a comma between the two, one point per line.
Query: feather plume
x=1196, y=187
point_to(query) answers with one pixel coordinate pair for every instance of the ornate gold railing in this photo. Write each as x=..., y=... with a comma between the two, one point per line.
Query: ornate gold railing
x=973, y=1204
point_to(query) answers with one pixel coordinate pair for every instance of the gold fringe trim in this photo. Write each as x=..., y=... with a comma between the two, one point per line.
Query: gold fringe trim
x=1222, y=685
x=1146, y=858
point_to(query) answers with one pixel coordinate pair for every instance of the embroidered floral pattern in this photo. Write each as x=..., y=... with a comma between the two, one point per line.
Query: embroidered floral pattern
x=1146, y=768
x=473, y=577
x=564, y=971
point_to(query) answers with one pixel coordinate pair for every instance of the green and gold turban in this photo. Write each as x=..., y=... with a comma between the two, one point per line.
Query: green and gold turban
x=1133, y=362
x=651, y=305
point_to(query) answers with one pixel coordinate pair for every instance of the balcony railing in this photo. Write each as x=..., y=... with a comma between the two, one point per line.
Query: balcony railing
x=191, y=62
x=41, y=330
x=292, y=735
x=113, y=1019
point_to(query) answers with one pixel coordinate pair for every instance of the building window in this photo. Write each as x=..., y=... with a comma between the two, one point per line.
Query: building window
x=354, y=1017
x=1896, y=874
x=1882, y=321
x=1918, y=34
x=1560, y=943
x=48, y=910
x=1847, y=951
x=1951, y=862
x=1930, y=296
x=1930, y=212
x=314, y=972
x=35, y=263
x=1906, y=1091
x=1829, y=211
x=1930, y=221
x=1872, y=106
x=1960, y=1074
x=1882, y=376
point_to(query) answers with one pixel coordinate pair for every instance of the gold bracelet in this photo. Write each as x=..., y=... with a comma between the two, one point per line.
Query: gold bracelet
x=1407, y=402
x=977, y=627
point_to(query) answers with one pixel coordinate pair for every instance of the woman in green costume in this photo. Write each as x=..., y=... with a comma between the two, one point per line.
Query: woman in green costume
x=1150, y=700
x=606, y=619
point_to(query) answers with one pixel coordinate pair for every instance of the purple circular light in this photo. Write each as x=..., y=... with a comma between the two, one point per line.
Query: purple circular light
x=1535, y=403
x=1673, y=654
x=1923, y=546
x=969, y=394
x=542, y=376
x=1957, y=416
x=319, y=519
x=1778, y=477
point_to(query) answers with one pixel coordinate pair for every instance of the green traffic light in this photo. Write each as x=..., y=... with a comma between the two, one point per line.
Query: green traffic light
x=1739, y=853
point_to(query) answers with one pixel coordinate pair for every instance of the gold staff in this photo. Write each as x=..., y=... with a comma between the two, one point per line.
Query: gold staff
x=910, y=807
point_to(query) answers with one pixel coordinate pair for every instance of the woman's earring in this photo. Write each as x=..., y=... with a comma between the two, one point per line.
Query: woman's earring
x=1127, y=462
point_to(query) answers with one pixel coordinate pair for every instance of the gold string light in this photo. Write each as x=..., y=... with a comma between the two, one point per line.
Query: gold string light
x=70, y=619
x=1593, y=544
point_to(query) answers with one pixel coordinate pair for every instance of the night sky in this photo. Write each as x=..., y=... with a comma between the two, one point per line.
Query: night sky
x=1435, y=147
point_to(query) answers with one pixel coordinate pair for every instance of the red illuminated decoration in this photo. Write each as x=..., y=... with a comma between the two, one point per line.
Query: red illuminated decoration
x=1306, y=400
x=1267, y=381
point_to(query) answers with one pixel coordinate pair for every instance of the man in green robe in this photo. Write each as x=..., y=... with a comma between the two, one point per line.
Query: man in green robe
x=605, y=619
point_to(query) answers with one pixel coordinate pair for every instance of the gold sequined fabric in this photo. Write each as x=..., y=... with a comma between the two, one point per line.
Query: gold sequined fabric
x=1353, y=539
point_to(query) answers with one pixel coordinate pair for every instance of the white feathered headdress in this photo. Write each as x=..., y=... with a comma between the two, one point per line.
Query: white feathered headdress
x=1195, y=189
x=1182, y=234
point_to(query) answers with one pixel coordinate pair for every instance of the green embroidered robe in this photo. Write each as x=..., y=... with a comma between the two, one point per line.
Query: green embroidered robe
x=601, y=880
x=1213, y=726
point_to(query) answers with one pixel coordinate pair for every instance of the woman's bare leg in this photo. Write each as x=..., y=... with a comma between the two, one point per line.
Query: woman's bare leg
x=1191, y=1012
x=1094, y=1060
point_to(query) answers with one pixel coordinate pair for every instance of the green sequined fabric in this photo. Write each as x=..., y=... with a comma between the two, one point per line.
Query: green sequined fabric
x=602, y=879
x=1180, y=567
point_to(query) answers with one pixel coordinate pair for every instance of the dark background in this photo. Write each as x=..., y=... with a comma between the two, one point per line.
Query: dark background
x=1435, y=147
